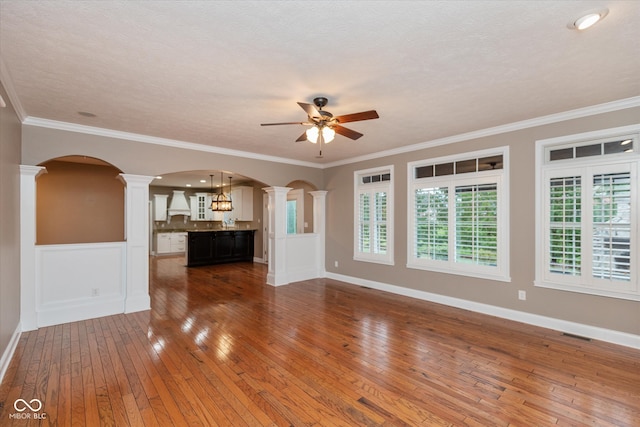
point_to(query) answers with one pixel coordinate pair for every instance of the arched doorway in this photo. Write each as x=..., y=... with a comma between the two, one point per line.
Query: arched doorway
x=300, y=207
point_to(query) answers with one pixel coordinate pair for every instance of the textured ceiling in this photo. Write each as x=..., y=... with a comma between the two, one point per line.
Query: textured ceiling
x=210, y=72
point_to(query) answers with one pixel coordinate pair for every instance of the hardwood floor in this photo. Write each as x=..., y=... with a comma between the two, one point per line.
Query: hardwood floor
x=220, y=347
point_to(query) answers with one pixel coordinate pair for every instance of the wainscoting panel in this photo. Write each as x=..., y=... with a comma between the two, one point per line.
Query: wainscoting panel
x=79, y=281
x=303, y=257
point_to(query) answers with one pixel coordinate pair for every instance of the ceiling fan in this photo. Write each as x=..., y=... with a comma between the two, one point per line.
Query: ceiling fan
x=324, y=124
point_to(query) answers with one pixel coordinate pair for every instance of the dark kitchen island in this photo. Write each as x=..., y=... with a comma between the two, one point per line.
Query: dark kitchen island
x=219, y=246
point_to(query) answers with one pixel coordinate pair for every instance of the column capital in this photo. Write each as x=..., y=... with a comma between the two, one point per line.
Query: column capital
x=318, y=193
x=277, y=190
x=35, y=171
x=128, y=178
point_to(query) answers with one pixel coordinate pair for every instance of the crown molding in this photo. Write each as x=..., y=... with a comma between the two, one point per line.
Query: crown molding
x=91, y=130
x=511, y=127
x=608, y=107
x=9, y=87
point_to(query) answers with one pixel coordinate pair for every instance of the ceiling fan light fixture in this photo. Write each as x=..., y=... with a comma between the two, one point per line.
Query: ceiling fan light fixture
x=328, y=134
x=588, y=19
x=312, y=134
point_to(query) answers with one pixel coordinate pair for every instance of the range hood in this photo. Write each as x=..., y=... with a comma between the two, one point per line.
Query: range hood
x=179, y=205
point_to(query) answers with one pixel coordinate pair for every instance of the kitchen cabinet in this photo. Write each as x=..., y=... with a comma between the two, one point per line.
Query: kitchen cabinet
x=171, y=243
x=201, y=207
x=216, y=247
x=242, y=200
x=160, y=207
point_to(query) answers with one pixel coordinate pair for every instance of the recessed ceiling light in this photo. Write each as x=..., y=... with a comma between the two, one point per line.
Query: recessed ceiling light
x=188, y=185
x=86, y=114
x=203, y=181
x=158, y=177
x=588, y=19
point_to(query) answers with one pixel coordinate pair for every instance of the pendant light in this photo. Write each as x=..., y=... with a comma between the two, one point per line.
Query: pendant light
x=221, y=203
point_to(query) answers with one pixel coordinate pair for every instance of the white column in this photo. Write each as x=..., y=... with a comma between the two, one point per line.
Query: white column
x=277, y=230
x=319, y=223
x=137, y=246
x=28, y=294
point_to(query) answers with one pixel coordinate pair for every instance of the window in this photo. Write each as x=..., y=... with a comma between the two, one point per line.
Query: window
x=292, y=216
x=587, y=204
x=458, y=221
x=295, y=211
x=373, y=234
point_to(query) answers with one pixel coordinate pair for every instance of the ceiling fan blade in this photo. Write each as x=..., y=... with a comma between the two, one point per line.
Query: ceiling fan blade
x=302, y=137
x=346, y=132
x=310, y=109
x=355, y=117
x=285, y=123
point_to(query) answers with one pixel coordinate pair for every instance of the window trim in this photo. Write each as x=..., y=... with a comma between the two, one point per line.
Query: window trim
x=586, y=167
x=358, y=186
x=500, y=177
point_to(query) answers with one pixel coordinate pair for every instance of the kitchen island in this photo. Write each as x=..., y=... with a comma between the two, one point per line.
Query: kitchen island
x=219, y=246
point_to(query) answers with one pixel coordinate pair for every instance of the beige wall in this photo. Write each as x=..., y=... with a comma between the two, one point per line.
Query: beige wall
x=40, y=144
x=610, y=313
x=79, y=203
x=10, y=136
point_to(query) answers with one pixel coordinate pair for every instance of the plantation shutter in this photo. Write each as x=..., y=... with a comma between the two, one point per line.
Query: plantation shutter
x=432, y=223
x=476, y=240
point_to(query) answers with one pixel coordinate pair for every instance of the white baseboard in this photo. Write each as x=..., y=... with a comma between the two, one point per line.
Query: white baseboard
x=300, y=274
x=7, y=355
x=593, y=332
x=133, y=304
x=78, y=310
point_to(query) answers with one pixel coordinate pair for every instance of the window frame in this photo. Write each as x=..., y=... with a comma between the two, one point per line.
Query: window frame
x=372, y=187
x=500, y=272
x=587, y=168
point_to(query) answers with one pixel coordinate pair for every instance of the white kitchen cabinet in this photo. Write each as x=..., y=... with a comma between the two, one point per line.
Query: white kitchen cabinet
x=242, y=201
x=178, y=242
x=171, y=243
x=160, y=207
x=201, y=207
x=163, y=243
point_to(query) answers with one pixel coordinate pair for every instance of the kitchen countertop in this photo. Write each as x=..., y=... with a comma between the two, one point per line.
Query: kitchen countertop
x=197, y=230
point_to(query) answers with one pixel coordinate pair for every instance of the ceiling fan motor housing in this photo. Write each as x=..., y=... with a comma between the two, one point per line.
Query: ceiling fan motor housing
x=320, y=101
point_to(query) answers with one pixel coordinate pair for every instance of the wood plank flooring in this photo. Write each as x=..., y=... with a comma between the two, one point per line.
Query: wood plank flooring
x=220, y=347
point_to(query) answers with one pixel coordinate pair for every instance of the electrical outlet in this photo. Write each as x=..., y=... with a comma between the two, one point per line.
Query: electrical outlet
x=335, y=264
x=522, y=295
